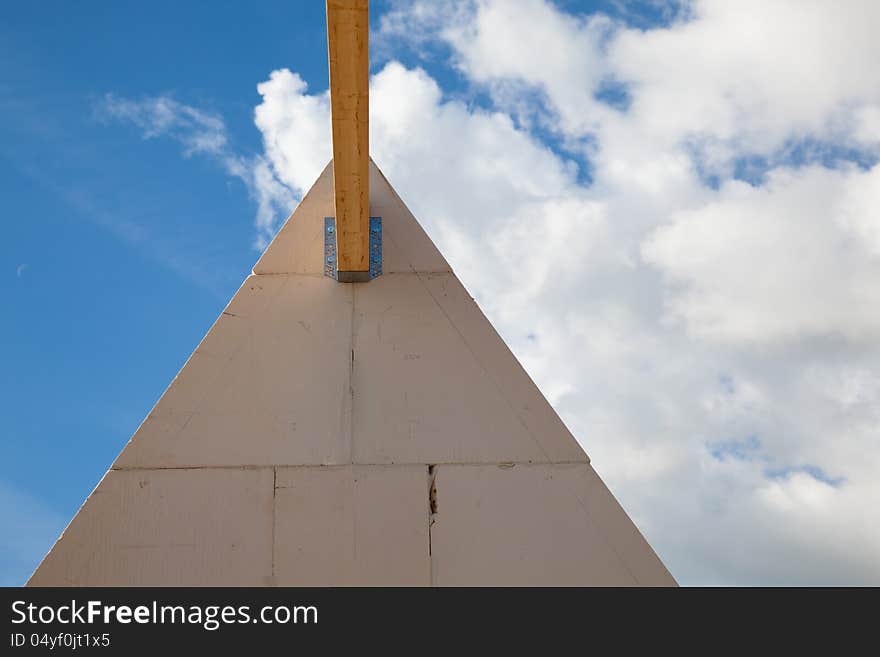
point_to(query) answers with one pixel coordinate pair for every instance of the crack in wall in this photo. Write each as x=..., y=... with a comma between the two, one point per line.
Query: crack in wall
x=432, y=490
x=432, y=512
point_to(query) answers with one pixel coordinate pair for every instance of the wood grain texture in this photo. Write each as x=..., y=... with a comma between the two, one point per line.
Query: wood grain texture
x=347, y=41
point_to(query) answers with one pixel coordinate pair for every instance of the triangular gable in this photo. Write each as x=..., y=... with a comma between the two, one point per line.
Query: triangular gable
x=318, y=422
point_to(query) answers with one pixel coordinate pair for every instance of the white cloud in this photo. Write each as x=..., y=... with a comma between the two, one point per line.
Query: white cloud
x=755, y=72
x=513, y=46
x=204, y=133
x=867, y=126
x=295, y=127
x=198, y=131
x=531, y=42
x=798, y=256
x=723, y=78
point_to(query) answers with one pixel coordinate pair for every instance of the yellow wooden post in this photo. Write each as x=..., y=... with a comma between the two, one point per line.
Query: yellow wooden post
x=347, y=40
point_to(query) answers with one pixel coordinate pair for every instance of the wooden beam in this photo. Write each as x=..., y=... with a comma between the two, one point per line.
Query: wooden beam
x=347, y=41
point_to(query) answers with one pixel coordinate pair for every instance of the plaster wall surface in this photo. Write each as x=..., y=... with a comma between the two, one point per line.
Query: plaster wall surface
x=352, y=526
x=535, y=525
x=168, y=528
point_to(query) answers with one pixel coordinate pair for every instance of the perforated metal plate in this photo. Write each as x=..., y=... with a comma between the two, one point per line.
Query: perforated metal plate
x=330, y=247
x=330, y=260
x=375, y=246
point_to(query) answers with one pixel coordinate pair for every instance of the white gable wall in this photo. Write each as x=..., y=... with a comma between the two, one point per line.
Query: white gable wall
x=351, y=434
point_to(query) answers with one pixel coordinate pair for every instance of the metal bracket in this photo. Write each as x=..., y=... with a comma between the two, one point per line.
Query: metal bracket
x=330, y=247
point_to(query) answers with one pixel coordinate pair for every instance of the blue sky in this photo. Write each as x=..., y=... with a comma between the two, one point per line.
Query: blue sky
x=719, y=305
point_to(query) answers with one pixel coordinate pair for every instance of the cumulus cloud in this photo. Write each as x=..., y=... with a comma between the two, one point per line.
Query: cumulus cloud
x=294, y=126
x=795, y=257
x=517, y=48
x=754, y=72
